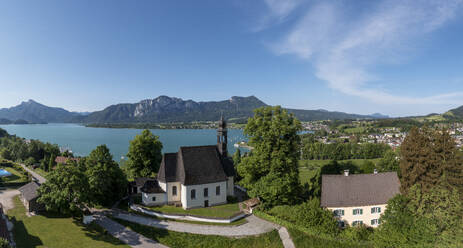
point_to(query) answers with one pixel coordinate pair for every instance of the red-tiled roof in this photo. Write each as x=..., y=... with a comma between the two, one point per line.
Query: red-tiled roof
x=63, y=160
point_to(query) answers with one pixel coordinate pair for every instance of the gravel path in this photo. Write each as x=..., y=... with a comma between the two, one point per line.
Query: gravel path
x=254, y=226
x=126, y=235
x=285, y=238
x=6, y=198
x=34, y=174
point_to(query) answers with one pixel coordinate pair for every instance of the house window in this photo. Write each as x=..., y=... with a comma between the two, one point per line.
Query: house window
x=341, y=224
x=217, y=190
x=357, y=222
x=193, y=194
x=338, y=212
x=154, y=198
x=375, y=222
x=357, y=211
x=174, y=190
x=375, y=210
x=206, y=192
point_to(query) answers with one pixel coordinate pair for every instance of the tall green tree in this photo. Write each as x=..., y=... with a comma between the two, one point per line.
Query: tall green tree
x=144, y=156
x=107, y=182
x=51, y=163
x=426, y=155
x=237, y=157
x=389, y=162
x=271, y=170
x=65, y=191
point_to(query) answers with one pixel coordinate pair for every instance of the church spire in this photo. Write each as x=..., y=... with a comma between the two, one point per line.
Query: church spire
x=222, y=138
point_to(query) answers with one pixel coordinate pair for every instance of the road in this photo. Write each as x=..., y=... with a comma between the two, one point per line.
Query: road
x=34, y=174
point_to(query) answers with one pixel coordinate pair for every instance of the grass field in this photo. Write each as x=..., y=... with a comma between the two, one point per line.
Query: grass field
x=56, y=231
x=313, y=164
x=307, y=168
x=220, y=211
x=124, y=206
x=16, y=176
x=187, y=240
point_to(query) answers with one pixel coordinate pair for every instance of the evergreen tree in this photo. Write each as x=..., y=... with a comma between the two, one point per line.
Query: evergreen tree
x=237, y=157
x=271, y=170
x=144, y=156
x=426, y=156
x=389, y=162
x=51, y=163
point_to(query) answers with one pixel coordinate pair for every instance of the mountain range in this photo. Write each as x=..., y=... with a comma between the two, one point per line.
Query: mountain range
x=163, y=109
x=34, y=112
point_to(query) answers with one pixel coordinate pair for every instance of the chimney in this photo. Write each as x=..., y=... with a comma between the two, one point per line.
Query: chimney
x=375, y=171
x=346, y=173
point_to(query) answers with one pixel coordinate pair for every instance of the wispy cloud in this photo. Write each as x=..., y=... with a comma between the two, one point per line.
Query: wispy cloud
x=277, y=12
x=343, y=48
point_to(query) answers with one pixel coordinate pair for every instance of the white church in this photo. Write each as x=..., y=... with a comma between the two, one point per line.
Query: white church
x=195, y=176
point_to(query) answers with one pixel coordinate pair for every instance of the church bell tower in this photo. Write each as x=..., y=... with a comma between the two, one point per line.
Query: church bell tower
x=222, y=137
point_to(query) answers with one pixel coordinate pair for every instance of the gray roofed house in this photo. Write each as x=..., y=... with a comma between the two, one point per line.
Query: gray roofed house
x=359, y=189
x=136, y=185
x=29, y=196
x=195, y=176
x=152, y=186
x=359, y=198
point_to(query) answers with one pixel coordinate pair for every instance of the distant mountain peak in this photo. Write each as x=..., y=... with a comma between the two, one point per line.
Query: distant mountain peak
x=30, y=101
x=379, y=115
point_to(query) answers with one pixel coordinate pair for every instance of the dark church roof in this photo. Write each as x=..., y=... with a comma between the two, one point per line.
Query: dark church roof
x=358, y=189
x=29, y=191
x=140, y=181
x=195, y=165
x=152, y=186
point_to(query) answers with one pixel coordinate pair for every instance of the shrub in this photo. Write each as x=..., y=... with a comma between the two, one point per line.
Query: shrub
x=308, y=215
x=4, y=243
x=357, y=233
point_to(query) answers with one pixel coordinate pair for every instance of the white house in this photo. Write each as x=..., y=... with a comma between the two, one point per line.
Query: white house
x=195, y=176
x=359, y=198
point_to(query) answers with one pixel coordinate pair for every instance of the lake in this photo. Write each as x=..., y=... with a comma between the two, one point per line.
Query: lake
x=82, y=140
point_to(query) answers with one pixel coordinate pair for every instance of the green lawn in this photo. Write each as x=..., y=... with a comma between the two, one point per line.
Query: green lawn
x=124, y=206
x=305, y=174
x=16, y=176
x=56, y=231
x=307, y=168
x=303, y=240
x=312, y=164
x=187, y=240
x=220, y=211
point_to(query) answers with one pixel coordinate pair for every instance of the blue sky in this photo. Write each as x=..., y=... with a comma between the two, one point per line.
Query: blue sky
x=393, y=57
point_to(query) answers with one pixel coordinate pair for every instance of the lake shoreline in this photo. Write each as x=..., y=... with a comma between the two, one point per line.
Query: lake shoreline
x=82, y=140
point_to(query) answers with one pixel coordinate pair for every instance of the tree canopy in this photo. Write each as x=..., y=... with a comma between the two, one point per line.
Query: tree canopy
x=271, y=170
x=65, y=191
x=144, y=156
x=106, y=180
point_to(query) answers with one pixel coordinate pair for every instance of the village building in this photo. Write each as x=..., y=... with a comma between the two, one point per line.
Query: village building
x=359, y=198
x=136, y=185
x=64, y=160
x=193, y=177
x=29, y=197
